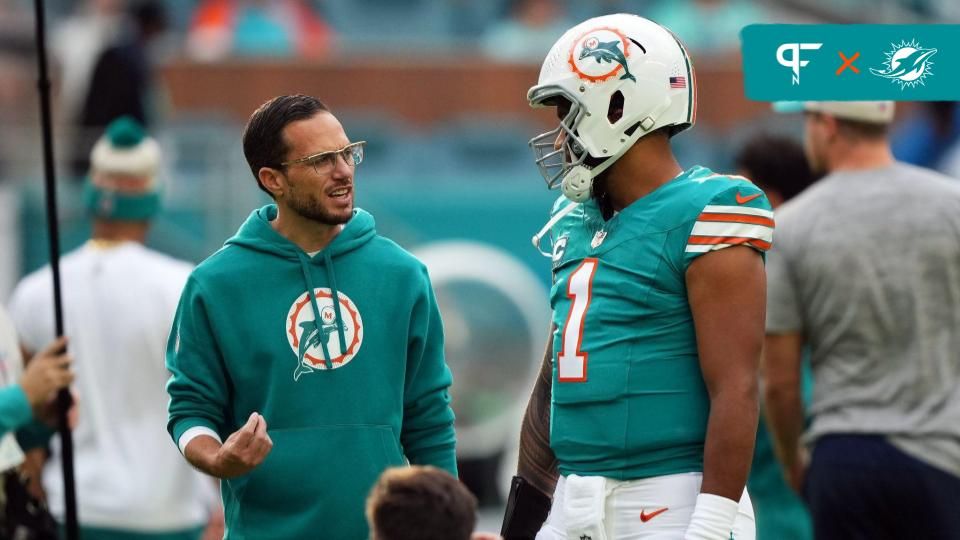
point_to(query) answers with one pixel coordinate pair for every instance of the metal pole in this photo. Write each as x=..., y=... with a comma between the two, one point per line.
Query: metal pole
x=63, y=397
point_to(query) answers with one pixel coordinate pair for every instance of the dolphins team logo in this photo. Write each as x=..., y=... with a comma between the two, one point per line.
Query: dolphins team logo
x=600, y=54
x=907, y=64
x=313, y=341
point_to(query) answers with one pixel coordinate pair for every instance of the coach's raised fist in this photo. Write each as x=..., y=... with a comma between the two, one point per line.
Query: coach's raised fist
x=244, y=449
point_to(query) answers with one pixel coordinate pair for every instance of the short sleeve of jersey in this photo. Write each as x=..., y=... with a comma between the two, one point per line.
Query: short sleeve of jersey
x=738, y=215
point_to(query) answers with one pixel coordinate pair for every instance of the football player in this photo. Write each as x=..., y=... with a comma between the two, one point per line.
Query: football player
x=642, y=423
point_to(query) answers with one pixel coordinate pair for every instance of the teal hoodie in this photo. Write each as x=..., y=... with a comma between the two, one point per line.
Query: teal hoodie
x=364, y=390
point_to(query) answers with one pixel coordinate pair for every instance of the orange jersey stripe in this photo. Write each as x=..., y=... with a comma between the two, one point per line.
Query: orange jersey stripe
x=709, y=240
x=736, y=218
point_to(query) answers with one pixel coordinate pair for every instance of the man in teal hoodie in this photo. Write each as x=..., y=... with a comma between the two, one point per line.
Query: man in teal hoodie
x=309, y=320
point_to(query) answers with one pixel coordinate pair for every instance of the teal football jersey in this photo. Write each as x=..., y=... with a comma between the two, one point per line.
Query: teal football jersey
x=629, y=399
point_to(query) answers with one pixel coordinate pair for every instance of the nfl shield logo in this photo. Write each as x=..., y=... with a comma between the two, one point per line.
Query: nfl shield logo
x=598, y=239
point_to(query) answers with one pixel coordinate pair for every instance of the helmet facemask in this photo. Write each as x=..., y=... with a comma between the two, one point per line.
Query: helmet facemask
x=554, y=163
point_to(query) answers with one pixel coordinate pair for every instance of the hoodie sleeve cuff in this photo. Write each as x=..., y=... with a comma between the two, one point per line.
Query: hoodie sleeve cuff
x=193, y=433
x=15, y=407
x=190, y=428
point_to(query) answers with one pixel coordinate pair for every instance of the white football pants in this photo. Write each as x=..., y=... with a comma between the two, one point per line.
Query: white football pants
x=652, y=508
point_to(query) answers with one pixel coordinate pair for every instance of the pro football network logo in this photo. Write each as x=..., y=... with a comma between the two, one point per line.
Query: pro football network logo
x=600, y=54
x=907, y=64
x=794, y=62
x=313, y=342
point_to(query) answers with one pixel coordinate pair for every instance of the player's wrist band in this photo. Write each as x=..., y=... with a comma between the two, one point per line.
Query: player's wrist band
x=527, y=509
x=712, y=519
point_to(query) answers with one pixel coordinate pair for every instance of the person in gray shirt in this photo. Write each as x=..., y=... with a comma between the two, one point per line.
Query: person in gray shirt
x=865, y=271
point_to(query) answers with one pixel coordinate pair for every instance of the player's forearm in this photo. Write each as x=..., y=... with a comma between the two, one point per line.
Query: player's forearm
x=784, y=415
x=537, y=463
x=731, y=433
x=201, y=452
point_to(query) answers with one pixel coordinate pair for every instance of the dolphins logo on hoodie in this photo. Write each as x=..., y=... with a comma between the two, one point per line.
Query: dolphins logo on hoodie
x=317, y=346
x=907, y=64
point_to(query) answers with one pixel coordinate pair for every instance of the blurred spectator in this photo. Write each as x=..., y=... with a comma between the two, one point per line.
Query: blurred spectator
x=76, y=44
x=25, y=396
x=777, y=165
x=708, y=26
x=422, y=503
x=118, y=302
x=527, y=33
x=926, y=137
x=864, y=271
x=122, y=83
x=258, y=28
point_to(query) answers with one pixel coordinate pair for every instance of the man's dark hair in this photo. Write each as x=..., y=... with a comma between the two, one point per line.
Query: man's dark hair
x=420, y=503
x=263, y=142
x=776, y=162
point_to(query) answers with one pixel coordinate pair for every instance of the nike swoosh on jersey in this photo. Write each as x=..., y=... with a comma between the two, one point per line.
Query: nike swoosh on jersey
x=744, y=200
x=645, y=517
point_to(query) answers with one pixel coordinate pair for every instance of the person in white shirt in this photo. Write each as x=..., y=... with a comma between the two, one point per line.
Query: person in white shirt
x=119, y=299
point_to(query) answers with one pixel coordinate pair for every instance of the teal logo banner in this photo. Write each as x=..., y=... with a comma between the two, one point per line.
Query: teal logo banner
x=837, y=62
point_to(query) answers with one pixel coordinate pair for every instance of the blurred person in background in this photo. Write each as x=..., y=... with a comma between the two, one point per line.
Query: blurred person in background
x=527, y=32
x=645, y=413
x=28, y=412
x=122, y=83
x=310, y=320
x=422, y=503
x=257, y=28
x=119, y=299
x=778, y=166
x=76, y=43
x=865, y=273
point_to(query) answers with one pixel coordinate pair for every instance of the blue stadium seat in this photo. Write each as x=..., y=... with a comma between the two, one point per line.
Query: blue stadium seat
x=373, y=24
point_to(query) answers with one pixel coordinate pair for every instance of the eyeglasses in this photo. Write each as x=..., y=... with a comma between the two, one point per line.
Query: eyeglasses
x=324, y=162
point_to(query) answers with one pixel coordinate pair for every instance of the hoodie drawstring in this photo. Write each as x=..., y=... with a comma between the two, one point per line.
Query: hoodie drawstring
x=332, y=279
x=328, y=263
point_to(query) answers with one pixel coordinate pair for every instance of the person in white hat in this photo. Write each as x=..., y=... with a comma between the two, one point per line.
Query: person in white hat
x=119, y=299
x=866, y=273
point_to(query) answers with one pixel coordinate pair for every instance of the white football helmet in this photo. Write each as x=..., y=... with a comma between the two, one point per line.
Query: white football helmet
x=600, y=65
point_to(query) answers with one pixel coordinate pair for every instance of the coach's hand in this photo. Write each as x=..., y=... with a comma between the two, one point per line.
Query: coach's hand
x=244, y=449
x=48, y=371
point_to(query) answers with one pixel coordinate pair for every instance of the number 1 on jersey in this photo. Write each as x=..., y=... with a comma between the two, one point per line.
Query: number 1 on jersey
x=572, y=362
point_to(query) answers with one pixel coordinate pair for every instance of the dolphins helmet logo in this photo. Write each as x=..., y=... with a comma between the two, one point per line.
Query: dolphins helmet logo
x=600, y=54
x=315, y=342
x=907, y=64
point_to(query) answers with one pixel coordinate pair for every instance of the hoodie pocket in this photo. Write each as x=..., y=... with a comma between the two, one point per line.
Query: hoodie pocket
x=314, y=483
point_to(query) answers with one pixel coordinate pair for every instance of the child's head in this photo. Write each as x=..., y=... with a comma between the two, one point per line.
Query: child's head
x=420, y=503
